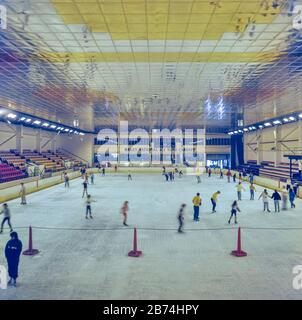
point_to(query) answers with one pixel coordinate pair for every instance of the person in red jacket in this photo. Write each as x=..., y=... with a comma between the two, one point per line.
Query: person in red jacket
x=229, y=174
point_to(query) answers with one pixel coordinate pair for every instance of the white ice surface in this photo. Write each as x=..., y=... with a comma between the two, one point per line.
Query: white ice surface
x=84, y=264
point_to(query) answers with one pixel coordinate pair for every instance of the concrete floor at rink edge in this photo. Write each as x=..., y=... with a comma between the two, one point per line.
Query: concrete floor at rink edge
x=85, y=264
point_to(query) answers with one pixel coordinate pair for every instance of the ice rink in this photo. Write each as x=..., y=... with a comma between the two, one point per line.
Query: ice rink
x=93, y=264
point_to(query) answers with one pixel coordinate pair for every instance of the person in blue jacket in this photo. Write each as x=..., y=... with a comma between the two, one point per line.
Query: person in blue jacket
x=13, y=250
x=292, y=197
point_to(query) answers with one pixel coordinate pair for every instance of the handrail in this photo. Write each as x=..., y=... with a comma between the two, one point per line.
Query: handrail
x=63, y=149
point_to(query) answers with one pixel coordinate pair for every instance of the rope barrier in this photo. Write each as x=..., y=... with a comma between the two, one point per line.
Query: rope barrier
x=161, y=229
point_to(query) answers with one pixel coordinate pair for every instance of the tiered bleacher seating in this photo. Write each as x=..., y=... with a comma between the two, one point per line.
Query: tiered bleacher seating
x=10, y=173
x=279, y=172
x=54, y=157
x=250, y=167
x=13, y=158
x=39, y=159
x=66, y=157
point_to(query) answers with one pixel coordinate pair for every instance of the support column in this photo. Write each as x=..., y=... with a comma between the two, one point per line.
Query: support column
x=19, y=138
x=300, y=136
x=259, y=147
x=277, y=146
x=38, y=140
x=54, y=143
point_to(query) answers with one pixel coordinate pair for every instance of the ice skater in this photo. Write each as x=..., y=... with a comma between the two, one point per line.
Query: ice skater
x=221, y=174
x=284, y=194
x=129, y=176
x=181, y=218
x=180, y=174
x=85, y=188
x=124, y=212
x=196, y=204
x=103, y=171
x=234, y=177
x=229, y=174
x=171, y=175
x=265, y=198
x=214, y=200
x=239, y=188
x=252, y=191
x=6, y=213
x=209, y=172
x=13, y=250
x=166, y=176
x=292, y=197
x=92, y=178
x=89, y=200
x=276, y=197
x=198, y=176
x=240, y=177
x=23, y=193
x=66, y=180
x=234, y=210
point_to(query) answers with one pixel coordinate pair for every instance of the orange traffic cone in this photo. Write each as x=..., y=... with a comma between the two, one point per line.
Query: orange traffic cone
x=134, y=252
x=30, y=251
x=239, y=252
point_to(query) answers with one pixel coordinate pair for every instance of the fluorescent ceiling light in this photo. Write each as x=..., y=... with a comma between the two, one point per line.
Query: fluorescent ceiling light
x=245, y=129
x=292, y=118
x=22, y=119
x=37, y=122
x=285, y=120
x=45, y=124
x=277, y=122
x=300, y=115
x=267, y=124
x=260, y=126
x=53, y=126
x=12, y=116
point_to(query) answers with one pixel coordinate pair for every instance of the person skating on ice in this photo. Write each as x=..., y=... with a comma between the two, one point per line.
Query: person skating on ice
x=209, y=172
x=13, y=250
x=181, y=218
x=284, y=195
x=252, y=191
x=234, y=177
x=214, y=200
x=276, y=197
x=85, y=189
x=292, y=197
x=221, y=174
x=89, y=200
x=92, y=178
x=196, y=204
x=265, y=198
x=124, y=212
x=180, y=174
x=23, y=193
x=234, y=211
x=229, y=174
x=66, y=179
x=239, y=188
x=7, y=216
x=129, y=175
x=103, y=171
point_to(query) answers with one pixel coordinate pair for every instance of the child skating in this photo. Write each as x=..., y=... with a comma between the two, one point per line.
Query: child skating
x=265, y=198
x=6, y=213
x=89, y=200
x=85, y=188
x=124, y=212
x=180, y=217
x=234, y=210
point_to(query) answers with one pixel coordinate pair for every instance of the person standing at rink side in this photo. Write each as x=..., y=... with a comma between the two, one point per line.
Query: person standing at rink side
x=23, y=193
x=85, y=187
x=196, y=203
x=265, y=198
x=234, y=210
x=92, y=178
x=276, y=197
x=284, y=195
x=292, y=197
x=13, y=250
x=88, y=206
x=124, y=212
x=239, y=188
x=214, y=200
x=252, y=191
x=6, y=212
x=66, y=179
x=181, y=218
x=229, y=174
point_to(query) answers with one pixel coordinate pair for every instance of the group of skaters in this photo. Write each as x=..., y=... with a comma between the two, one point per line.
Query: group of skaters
x=170, y=175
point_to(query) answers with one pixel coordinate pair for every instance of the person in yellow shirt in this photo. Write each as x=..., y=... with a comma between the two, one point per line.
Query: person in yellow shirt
x=214, y=200
x=239, y=188
x=252, y=191
x=196, y=203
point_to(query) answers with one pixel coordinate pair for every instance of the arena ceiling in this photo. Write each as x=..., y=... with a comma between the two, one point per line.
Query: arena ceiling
x=152, y=62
